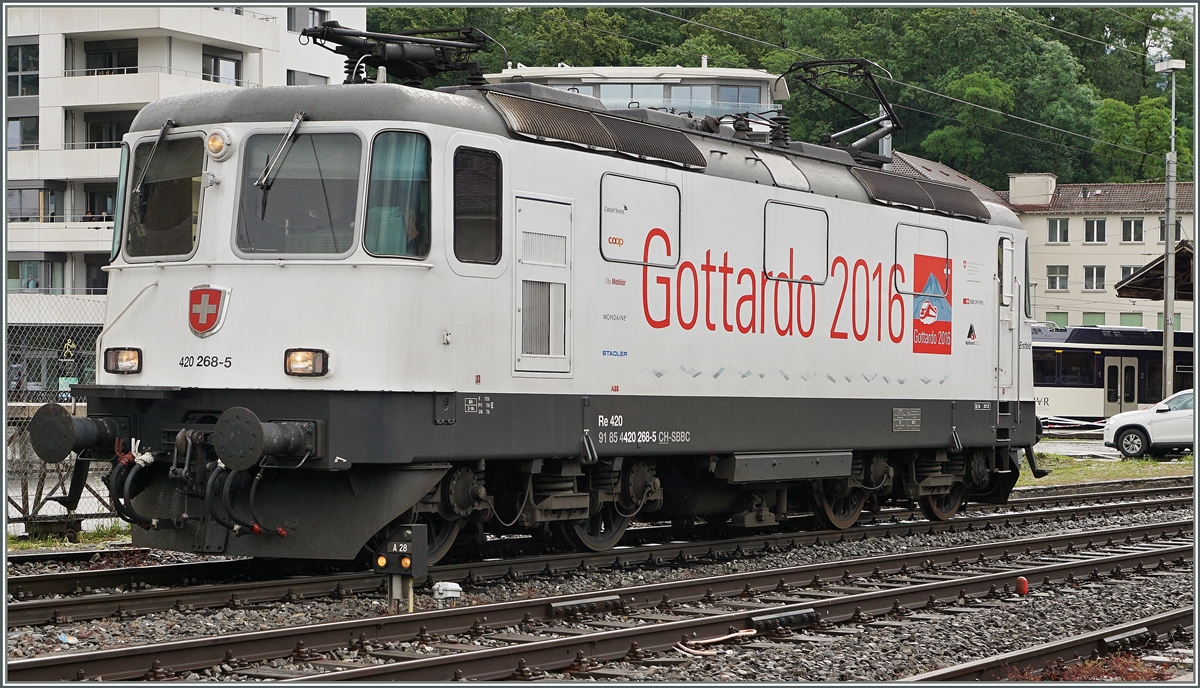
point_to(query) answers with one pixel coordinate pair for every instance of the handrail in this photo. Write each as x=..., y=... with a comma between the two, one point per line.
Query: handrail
x=90, y=145
x=108, y=71
x=242, y=11
x=99, y=220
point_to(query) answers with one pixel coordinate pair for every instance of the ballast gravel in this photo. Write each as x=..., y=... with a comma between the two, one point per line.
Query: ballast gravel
x=171, y=625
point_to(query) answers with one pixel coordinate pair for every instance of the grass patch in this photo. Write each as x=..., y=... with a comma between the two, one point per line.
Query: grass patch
x=1070, y=470
x=117, y=532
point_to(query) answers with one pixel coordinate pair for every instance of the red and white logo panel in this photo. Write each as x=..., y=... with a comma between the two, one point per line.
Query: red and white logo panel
x=206, y=308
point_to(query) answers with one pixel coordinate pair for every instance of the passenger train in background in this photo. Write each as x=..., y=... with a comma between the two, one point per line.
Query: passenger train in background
x=1083, y=375
x=503, y=308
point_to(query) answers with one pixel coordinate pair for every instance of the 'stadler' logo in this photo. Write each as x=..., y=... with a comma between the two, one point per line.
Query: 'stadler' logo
x=931, y=307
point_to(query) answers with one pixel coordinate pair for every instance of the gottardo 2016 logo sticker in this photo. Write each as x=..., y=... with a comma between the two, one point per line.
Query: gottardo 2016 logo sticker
x=931, y=305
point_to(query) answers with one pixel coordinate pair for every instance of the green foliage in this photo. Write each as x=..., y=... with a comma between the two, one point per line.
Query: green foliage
x=1054, y=65
x=588, y=41
x=688, y=53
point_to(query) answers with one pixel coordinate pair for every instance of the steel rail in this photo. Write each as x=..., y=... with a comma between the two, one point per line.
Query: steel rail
x=1104, y=641
x=80, y=607
x=70, y=555
x=500, y=662
x=157, y=575
x=199, y=653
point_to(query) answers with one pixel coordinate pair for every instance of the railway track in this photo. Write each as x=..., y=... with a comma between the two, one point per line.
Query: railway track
x=69, y=599
x=1176, y=624
x=549, y=633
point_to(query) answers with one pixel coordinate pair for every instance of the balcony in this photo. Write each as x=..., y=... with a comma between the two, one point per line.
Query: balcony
x=127, y=88
x=696, y=108
x=80, y=161
x=58, y=234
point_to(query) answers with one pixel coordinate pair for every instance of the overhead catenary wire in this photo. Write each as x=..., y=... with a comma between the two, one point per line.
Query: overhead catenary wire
x=1069, y=33
x=915, y=87
x=1162, y=30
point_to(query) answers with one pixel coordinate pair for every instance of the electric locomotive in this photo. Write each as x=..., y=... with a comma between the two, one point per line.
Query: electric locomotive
x=505, y=308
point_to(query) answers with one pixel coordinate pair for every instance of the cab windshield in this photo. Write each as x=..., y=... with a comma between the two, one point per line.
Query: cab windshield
x=310, y=203
x=164, y=213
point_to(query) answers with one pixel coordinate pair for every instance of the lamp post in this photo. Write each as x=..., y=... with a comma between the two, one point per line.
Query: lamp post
x=1171, y=66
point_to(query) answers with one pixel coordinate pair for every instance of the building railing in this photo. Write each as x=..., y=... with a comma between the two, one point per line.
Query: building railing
x=91, y=145
x=161, y=70
x=103, y=221
x=24, y=146
x=59, y=291
x=696, y=108
x=246, y=13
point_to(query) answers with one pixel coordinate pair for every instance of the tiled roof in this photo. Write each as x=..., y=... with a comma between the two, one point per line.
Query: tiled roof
x=912, y=166
x=1111, y=198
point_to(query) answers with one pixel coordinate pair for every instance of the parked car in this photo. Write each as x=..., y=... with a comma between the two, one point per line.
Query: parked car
x=1165, y=426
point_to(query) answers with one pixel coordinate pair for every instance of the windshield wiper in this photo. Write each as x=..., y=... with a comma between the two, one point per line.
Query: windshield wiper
x=267, y=177
x=162, y=134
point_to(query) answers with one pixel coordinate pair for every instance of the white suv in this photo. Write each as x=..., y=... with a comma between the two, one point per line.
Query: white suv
x=1166, y=425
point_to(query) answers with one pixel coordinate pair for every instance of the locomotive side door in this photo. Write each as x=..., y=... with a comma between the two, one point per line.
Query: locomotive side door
x=1006, y=319
x=1120, y=384
x=542, y=335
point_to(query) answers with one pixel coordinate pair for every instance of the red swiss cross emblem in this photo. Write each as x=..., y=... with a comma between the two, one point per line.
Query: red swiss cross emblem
x=206, y=308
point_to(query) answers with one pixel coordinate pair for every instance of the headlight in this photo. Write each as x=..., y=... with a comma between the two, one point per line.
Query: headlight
x=123, y=361
x=219, y=144
x=305, y=362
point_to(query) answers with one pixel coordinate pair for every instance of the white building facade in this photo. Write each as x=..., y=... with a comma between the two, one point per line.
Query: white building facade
x=1084, y=238
x=77, y=76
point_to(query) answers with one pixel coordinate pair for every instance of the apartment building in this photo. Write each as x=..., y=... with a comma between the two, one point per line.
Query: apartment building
x=697, y=91
x=77, y=76
x=1084, y=238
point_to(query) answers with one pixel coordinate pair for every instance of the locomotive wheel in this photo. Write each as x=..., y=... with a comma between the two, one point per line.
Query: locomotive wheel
x=600, y=532
x=838, y=513
x=942, y=507
x=442, y=533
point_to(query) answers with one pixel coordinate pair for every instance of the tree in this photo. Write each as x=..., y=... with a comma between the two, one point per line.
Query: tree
x=1137, y=139
x=960, y=145
x=590, y=40
x=688, y=53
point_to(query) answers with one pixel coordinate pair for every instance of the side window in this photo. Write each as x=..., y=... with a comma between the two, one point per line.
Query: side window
x=477, y=206
x=1183, y=402
x=639, y=221
x=796, y=246
x=1045, y=367
x=398, y=196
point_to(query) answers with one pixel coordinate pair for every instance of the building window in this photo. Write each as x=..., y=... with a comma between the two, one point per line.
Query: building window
x=1093, y=231
x=101, y=199
x=1059, y=319
x=105, y=129
x=32, y=205
x=230, y=10
x=295, y=78
x=1058, y=230
x=1127, y=270
x=23, y=133
x=1131, y=230
x=620, y=95
x=741, y=95
x=1161, y=324
x=96, y=280
x=683, y=96
x=35, y=275
x=1131, y=319
x=1095, y=319
x=1162, y=229
x=300, y=18
x=111, y=57
x=477, y=209
x=1056, y=278
x=222, y=66
x=23, y=70
x=1093, y=277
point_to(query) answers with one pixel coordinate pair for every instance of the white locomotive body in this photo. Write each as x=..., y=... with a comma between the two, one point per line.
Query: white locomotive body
x=505, y=305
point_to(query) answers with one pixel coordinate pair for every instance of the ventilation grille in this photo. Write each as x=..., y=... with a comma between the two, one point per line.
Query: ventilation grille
x=551, y=122
x=893, y=189
x=543, y=318
x=545, y=249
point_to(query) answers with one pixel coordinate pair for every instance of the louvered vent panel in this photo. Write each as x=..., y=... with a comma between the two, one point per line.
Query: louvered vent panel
x=535, y=318
x=552, y=122
x=546, y=249
x=954, y=200
x=893, y=189
x=652, y=142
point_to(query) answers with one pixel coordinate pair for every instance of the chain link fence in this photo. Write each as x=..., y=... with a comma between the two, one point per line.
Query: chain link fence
x=51, y=345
